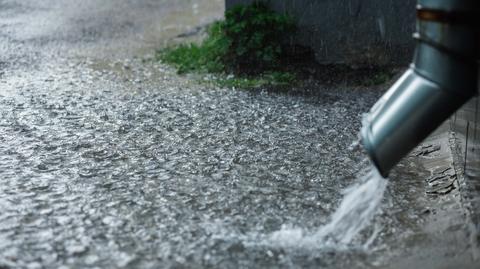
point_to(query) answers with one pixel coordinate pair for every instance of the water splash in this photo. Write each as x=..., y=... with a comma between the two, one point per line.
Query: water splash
x=356, y=211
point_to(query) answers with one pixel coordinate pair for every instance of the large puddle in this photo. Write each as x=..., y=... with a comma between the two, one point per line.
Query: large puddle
x=98, y=174
x=129, y=165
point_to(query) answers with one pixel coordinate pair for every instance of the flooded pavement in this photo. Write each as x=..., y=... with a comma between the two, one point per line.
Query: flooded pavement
x=111, y=160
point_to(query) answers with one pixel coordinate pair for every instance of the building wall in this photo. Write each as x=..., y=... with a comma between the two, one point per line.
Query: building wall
x=355, y=32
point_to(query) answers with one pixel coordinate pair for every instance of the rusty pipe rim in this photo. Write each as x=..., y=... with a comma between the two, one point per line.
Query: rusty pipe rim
x=449, y=17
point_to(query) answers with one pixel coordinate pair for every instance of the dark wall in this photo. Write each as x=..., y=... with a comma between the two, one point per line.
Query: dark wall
x=352, y=31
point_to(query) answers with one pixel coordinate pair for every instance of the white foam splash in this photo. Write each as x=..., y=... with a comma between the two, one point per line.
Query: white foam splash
x=356, y=211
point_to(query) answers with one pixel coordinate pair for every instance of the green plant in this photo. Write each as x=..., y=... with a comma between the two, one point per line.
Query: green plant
x=206, y=57
x=255, y=34
x=248, y=42
x=266, y=79
x=280, y=78
x=378, y=78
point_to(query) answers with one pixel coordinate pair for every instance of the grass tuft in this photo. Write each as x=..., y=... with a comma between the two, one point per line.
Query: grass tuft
x=247, y=44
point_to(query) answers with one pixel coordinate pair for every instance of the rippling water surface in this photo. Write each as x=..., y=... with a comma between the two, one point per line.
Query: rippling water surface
x=115, y=173
x=114, y=163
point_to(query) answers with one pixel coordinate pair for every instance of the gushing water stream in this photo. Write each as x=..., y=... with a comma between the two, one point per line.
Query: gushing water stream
x=356, y=211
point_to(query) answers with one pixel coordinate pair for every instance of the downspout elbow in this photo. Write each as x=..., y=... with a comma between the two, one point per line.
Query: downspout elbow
x=442, y=77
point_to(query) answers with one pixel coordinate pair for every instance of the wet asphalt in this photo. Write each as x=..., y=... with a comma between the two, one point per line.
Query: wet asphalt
x=109, y=159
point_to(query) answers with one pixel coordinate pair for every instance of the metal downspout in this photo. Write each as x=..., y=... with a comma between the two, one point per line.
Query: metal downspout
x=442, y=77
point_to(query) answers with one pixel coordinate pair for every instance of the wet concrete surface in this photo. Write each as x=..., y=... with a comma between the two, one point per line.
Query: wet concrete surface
x=465, y=126
x=111, y=160
x=445, y=237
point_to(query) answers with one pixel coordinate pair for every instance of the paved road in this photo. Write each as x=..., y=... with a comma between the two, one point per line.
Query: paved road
x=109, y=159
